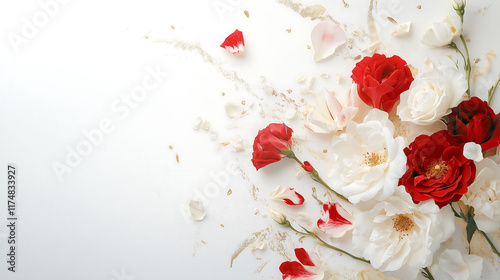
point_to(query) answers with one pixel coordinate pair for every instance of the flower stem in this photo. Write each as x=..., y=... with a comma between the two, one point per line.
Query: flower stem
x=310, y=233
x=493, y=248
x=427, y=273
x=315, y=176
x=492, y=90
x=467, y=66
x=466, y=219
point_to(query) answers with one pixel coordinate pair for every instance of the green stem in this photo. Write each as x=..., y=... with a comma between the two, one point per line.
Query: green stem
x=428, y=273
x=492, y=90
x=316, y=177
x=493, y=248
x=464, y=217
x=310, y=233
x=467, y=65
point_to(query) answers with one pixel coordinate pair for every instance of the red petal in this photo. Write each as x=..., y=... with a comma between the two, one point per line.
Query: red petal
x=294, y=270
x=234, y=42
x=303, y=257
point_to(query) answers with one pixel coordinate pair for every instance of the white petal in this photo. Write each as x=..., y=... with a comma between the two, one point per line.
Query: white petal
x=401, y=30
x=473, y=151
x=197, y=210
x=326, y=36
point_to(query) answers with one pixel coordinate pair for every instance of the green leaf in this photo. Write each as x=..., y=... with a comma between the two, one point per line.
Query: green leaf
x=471, y=226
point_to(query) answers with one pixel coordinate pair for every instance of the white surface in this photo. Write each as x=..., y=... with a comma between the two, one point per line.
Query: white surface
x=118, y=213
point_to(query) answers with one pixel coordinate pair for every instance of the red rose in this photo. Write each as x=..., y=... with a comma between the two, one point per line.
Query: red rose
x=437, y=169
x=474, y=121
x=270, y=144
x=381, y=80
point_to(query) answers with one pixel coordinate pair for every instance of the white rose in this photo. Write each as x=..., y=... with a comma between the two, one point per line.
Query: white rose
x=432, y=95
x=368, y=160
x=484, y=195
x=443, y=33
x=452, y=265
x=400, y=237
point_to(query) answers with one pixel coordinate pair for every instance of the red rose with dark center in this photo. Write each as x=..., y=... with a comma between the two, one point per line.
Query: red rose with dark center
x=381, y=80
x=474, y=121
x=269, y=144
x=437, y=169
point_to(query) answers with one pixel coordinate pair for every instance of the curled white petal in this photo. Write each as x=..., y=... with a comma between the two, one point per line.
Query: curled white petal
x=326, y=37
x=452, y=265
x=473, y=151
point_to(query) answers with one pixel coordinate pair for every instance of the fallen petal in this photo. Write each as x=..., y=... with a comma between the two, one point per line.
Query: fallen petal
x=234, y=43
x=326, y=37
x=197, y=210
x=287, y=195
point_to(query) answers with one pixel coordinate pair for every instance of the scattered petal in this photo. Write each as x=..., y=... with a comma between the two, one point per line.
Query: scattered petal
x=197, y=210
x=237, y=143
x=197, y=123
x=401, y=30
x=326, y=37
x=234, y=43
x=337, y=220
x=305, y=269
x=288, y=195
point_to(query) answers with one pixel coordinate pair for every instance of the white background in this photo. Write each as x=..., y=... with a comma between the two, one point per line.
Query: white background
x=119, y=211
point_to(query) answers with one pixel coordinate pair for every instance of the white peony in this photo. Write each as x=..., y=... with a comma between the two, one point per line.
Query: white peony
x=432, y=95
x=400, y=237
x=443, y=33
x=368, y=160
x=452, y=265
x=332, y=114
x=484, y=195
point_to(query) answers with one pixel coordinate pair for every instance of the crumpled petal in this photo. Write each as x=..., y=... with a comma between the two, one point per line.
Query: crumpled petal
x=287, y=195
x=326, y=37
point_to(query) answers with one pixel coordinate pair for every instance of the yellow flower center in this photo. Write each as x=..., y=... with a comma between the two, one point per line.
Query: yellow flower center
x=436, y=170
x=373, y=159
x=403, y=223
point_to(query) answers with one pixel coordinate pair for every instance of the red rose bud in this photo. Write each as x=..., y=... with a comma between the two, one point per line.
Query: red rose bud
x=381, y=80
x=308, y=167
x=234, y=43
x=271, y=144
x=474, y=121
x=437, y=169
